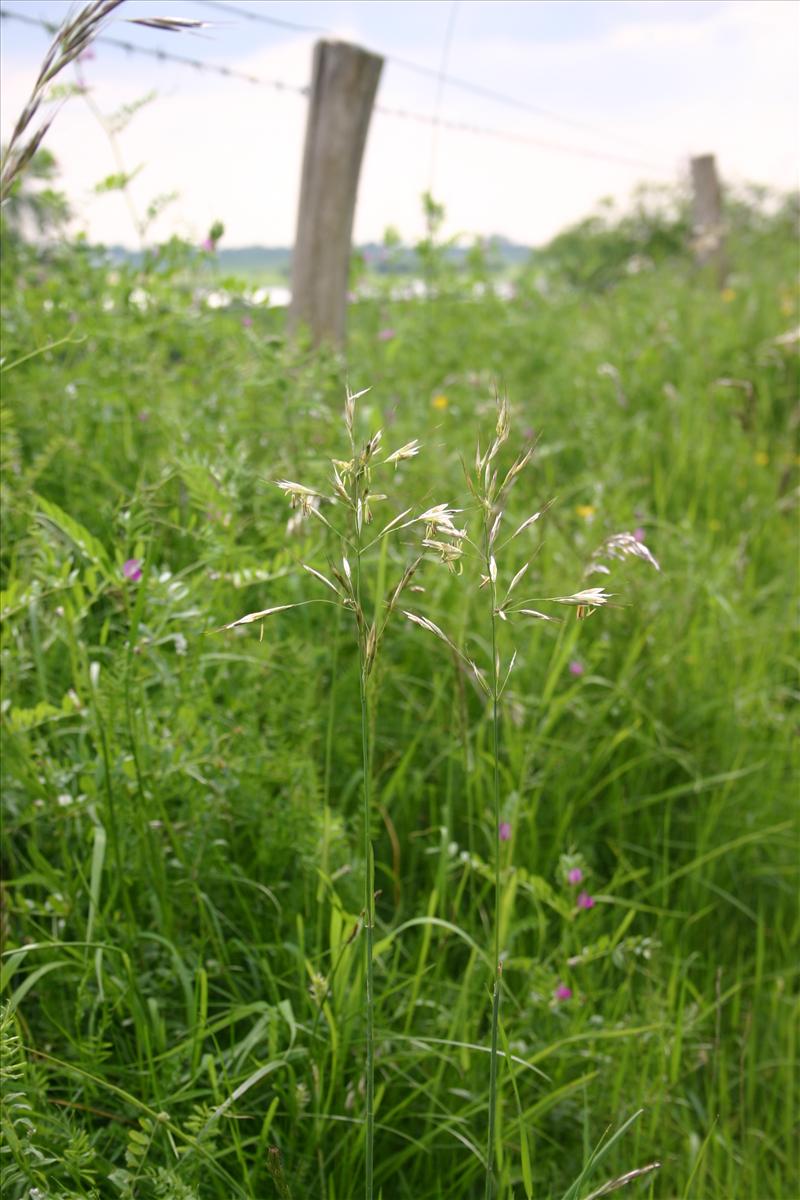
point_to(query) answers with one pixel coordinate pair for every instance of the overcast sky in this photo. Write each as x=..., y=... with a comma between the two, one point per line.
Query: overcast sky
x=653, y=81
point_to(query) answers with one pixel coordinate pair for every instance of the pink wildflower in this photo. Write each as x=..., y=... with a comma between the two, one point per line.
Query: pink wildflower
x=247, y=322
x=563, y=992
x=575, y=875
x=385, y=335
x=132, y=569
x=505, y=831
x=585, y=900
x=576, y=668
x=639, y=534
x=209, y=245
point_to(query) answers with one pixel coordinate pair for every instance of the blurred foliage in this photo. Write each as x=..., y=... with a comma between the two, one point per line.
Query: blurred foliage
x=655, y=228
x=33, y=209
x=181, y=855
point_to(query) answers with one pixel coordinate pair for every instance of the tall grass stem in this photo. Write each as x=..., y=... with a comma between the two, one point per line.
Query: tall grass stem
x=490, y=1188
x=369, y=889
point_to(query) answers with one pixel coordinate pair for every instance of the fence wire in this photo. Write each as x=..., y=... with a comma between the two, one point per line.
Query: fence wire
x=279, y=85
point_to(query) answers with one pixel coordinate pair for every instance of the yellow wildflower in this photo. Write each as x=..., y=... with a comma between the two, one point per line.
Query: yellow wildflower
x=440, y=401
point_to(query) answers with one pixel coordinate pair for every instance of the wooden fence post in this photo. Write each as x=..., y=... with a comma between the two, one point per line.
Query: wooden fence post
x=344, y=81
x=708, y=232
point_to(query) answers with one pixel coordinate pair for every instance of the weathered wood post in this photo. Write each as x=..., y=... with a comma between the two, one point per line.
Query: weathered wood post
x=708, y=232
x=344, y=81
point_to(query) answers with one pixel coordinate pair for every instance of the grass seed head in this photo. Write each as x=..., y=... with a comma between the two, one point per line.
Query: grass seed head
x=323, y=578
x=371, y=446
x=338, y=482
x=534, y=612
x=405, y=579
x=450, y=553
x=503, y=420
x=516, y=580
x=439, y=520
x=249, y=618
x=318, y=988
x=350, y=409
x=587, y=598
x=620, y=546
x=515, y=469
x=370, y=649
x=526, y=524
x=299, y=495
x=408, y=451
x=494, y=528
x=424, y=623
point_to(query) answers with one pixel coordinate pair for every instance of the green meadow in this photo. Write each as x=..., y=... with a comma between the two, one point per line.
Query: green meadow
x=184, y=829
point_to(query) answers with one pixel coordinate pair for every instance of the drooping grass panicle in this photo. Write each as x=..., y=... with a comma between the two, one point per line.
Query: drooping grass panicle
x=249, y=618
x=531, y=520
x=620, y=546
x=621, y=1181
x=299, y=495
x=323, y=578
x=586, y=598
x=431, y=626
x=402, y=584
x=409, y=450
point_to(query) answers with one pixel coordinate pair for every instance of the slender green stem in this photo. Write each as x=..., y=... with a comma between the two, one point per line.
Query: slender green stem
x=326, y=786
x=490, y=1179
x=369, y=888
x=369, y=922
x=106, y=126
x=111, y=807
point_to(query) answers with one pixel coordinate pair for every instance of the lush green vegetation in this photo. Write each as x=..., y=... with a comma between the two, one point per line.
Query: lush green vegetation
x=183, y=849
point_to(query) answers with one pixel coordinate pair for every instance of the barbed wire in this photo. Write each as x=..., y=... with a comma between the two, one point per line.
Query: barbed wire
x=437, y=107
x=520, y=138
x=464, y=85
x=162, y=55
x=263, y=18
x=381, y=109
